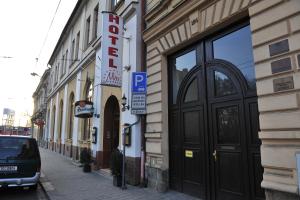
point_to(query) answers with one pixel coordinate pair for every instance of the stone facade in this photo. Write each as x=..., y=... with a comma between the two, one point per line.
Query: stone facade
x=173, y=25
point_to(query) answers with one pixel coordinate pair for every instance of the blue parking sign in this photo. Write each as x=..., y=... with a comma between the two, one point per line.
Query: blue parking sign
x=139, y=82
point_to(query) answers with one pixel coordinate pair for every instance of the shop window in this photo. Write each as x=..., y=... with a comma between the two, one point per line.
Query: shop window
x=183, y=64
x=223, y=85
x=236, y=48
x=87, y=124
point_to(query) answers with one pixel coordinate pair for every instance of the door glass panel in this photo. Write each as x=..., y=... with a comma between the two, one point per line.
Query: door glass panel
x=183, y=64
x=236, y=48
x=228, y=125
x=192, y=92
x=223, y=85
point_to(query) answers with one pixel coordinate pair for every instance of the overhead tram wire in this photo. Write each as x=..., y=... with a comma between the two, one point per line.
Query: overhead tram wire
x=44, y=42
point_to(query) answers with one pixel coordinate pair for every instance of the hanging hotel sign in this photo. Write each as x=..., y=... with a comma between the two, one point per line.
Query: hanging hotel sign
x=84, y=109
x=139, y=93
x=111, y=47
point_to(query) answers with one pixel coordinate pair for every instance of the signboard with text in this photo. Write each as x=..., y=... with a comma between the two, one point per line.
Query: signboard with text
x=111, y=46
x=139, y=92
x=84, y=109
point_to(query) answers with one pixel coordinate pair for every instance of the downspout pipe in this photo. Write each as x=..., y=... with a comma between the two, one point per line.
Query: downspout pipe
x=143, y=179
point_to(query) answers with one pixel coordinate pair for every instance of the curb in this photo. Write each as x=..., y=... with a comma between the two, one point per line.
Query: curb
x=44, y=190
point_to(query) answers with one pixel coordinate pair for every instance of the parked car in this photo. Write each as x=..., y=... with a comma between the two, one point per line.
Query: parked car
x=20, y=162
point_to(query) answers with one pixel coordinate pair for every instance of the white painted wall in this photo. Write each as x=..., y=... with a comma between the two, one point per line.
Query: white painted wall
x=97, y=103
x=76, y=131
x=130, y=50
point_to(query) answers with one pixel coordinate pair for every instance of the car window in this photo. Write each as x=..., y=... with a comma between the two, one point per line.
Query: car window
x=18, y=148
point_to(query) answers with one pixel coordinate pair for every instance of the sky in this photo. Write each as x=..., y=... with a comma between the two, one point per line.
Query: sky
x=23, y=29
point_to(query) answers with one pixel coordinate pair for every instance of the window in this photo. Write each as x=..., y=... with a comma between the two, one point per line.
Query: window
x=87, y=124
x=240, y=54
x=87, y=31
x=72, y=52
x=114, y=3
x=56, y=74
x=71, y=115
x=77, y=46
x=66, y=61
x=183, y=64
x=61, y=69
x=62, y=64
x=95, y=24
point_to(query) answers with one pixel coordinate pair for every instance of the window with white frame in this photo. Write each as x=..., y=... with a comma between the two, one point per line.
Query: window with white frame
x=66, y=61
x=72, y=59
x=115, y=3
x=77, y=45
x=95, y=22
x=87, y=31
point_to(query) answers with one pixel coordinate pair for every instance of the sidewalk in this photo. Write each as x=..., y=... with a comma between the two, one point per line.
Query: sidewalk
x=64, y=181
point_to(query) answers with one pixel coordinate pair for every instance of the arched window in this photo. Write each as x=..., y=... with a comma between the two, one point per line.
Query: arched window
x=53, y=122
x=71, y=116
x=61, y=107
x=87, y=124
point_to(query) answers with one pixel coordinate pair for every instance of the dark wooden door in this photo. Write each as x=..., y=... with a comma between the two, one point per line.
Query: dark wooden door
x=111, y=129
x=188, y=144
x=214, y=122
x=228, y=133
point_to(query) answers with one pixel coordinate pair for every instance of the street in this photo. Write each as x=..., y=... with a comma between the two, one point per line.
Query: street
x=24, y=194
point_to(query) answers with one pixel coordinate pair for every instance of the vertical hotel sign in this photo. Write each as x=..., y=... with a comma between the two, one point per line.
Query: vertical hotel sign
x=111, y=61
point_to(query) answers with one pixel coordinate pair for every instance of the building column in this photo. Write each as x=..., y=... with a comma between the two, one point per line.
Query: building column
x=50, y=124
x=98, y=147
x=63, y=135
x=56, y=122
x=76, y=130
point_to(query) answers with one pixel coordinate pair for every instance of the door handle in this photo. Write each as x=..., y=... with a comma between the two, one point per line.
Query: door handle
x=215, y=155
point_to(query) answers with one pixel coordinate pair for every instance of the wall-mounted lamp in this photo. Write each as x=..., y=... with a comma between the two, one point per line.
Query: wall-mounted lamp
x=124, y=102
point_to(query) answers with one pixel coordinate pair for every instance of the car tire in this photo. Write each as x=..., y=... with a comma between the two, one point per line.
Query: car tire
x=33, y=187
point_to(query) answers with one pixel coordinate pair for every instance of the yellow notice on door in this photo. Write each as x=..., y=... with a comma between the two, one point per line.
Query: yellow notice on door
x=188, y=153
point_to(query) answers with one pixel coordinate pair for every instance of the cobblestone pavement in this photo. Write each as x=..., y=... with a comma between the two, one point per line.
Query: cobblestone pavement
x=65, y=181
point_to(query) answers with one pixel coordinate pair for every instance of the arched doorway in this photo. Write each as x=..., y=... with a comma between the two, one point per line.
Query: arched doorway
x=213, y=130
x=111, y=129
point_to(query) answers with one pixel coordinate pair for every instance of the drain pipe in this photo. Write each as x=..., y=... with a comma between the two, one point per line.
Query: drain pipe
x=143, y=117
